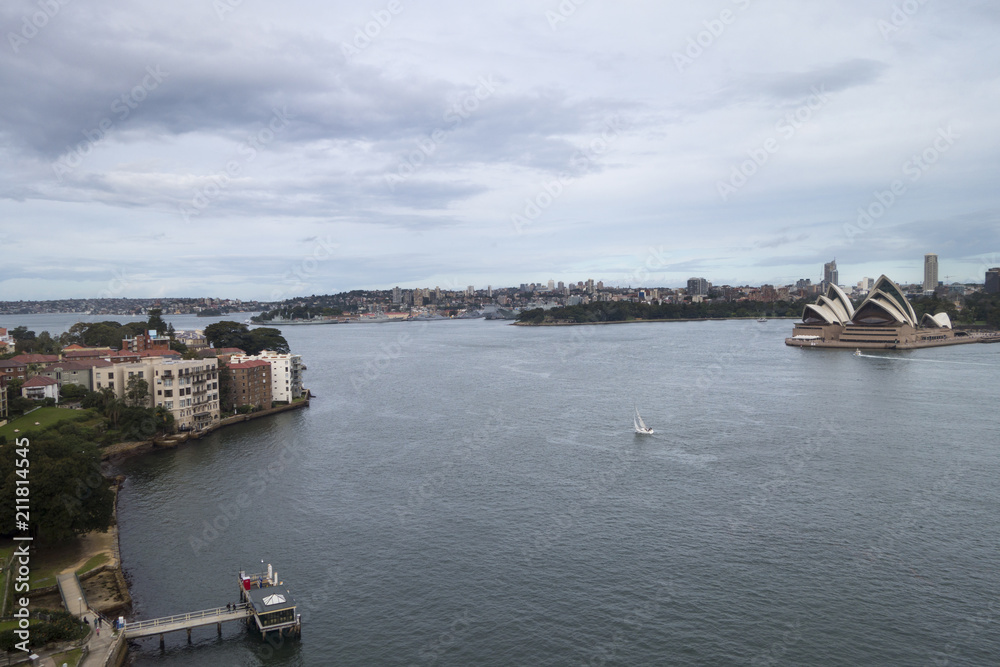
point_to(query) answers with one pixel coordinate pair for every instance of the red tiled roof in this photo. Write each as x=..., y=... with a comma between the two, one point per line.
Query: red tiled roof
x=92, y=363
x=35, y=358
x=74, y=346
x=89, y=353
x=66, y=366
x=39, y=381
x=251, y=364
x=217, y=351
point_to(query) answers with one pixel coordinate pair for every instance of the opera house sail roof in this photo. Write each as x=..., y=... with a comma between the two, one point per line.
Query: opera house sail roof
x=886, y=304
x=885, y=320
x=834, y=308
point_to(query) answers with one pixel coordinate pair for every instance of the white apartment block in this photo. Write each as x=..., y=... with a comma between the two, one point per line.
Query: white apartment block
x=286, y=373
x=189, y=388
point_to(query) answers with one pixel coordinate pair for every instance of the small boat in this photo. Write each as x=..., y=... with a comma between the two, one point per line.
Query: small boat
x=640, y=426
x=857, y=352
x=762, y=319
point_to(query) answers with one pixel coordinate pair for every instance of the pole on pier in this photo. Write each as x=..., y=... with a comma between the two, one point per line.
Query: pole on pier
x=161, y=641
x=189, y=635
x=218, y=626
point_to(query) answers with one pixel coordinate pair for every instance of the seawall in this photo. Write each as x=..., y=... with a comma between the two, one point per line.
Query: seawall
x=123, y=450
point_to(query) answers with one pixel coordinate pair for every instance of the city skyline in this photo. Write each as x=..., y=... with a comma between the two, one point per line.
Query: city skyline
x=262, y=152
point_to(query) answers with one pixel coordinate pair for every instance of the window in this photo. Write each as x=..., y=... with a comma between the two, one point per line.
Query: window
x=111, y=376
x=169, y=393
x=140, y=375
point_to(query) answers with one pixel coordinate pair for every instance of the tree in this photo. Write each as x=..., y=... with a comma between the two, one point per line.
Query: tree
x=164, y=419
x=73, y=392
x=69, y=494
x=227, y=334
x=155, y=322
x=266, y=338
x=236, y=334
x=136, y=392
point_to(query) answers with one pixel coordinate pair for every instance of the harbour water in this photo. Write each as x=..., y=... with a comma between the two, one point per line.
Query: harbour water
x=472, y=493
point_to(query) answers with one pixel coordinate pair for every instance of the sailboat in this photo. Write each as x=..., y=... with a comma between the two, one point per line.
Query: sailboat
x=640, y=426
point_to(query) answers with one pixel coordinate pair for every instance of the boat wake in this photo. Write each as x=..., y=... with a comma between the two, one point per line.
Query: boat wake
x=929, y=361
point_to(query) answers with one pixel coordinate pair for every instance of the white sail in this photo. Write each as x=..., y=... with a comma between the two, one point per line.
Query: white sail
x=640, y=426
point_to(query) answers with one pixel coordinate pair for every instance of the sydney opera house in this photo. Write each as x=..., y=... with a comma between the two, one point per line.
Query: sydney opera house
x=884, y=320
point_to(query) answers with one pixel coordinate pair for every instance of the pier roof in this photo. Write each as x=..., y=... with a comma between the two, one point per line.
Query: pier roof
x=270, y=598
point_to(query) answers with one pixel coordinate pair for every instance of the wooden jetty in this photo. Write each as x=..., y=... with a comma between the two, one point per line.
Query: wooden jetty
x=265, y=605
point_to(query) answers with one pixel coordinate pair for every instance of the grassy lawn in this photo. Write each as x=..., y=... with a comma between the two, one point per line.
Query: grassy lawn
x=96, y=561
x=44, y=417
x=12, y=624
x=70, y=658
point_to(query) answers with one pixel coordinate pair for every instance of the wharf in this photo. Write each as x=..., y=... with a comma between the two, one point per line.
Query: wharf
x=188, y=621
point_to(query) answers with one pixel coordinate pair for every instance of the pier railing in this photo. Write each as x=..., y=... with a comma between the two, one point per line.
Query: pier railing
x=205, y=615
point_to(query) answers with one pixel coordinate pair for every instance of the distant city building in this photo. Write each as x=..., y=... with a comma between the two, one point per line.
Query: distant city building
x=286, y=373
x=397, y=295
x=194, y=340
x=590, y=286
x=865, y=284
x=74, y=372
x=3, y=400
x=148, y=341
x=6, y=341
x=13, y=370
x=489, y=291
x=830, y=274
x=188, y=388
x=470, y=290
x=249, y=384
x=697, y=287
x=992, y=285
x=930, y=272
x=39, y=388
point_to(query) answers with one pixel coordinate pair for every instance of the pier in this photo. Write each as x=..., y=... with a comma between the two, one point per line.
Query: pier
x=265, y=605
x=189, y=621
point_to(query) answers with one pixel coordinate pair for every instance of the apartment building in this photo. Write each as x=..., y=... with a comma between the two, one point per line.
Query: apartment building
x=286, y=373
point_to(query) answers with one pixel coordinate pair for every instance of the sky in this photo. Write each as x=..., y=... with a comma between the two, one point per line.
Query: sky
x=259, y=150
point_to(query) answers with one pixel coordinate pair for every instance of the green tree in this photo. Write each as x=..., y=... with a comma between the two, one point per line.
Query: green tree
x=164, y=419
x=156, y=322
x=236, y=334
x=266, y=338
x=227, y=334
x=73, y=392
x=69, y=494
x=136, y=392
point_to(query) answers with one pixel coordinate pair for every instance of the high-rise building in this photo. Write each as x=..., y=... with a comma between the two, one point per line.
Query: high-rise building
x=992, y=285
x=830, y=274
x=697, y=287
x=396, y=295
x=930, y=272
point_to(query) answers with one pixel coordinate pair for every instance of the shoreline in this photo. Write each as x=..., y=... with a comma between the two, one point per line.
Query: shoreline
x=667, y=319
x=125, y=450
